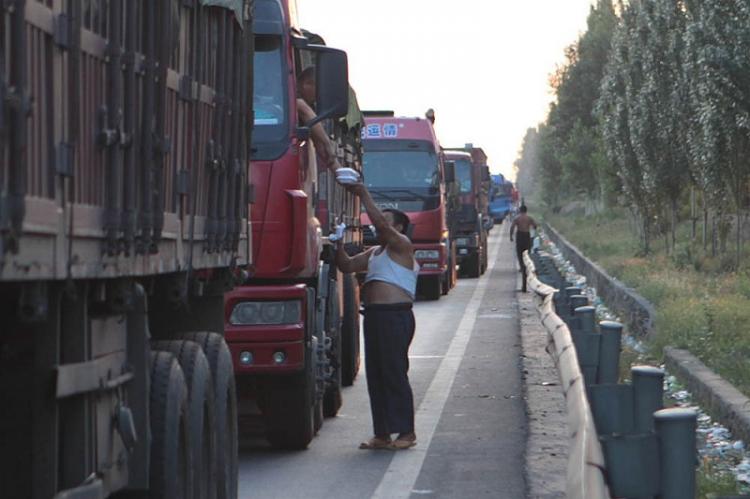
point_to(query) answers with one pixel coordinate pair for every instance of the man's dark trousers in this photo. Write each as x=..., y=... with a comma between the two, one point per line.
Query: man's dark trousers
x=523, y=243
x=389, y=330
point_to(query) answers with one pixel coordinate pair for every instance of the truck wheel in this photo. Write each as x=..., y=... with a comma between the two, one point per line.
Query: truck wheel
x=350, y=332
x=225, y=402
x=472, y=266
x=332, y=396
x=170, y=436
x=332, y=399
x=318, y=416
x=289, y=409
x=433, y=287
x=201, y=412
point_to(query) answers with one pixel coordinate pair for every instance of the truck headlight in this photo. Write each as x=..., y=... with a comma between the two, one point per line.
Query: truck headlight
x=427, y=255
x=253, y=313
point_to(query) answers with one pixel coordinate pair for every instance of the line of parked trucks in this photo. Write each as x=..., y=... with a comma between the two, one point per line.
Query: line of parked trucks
x=160, y=273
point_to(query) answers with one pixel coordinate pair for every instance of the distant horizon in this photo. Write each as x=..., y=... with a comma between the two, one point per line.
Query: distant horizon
x=396, y=66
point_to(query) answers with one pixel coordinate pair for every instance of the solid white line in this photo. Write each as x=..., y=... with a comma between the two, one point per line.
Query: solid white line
x=401, y=476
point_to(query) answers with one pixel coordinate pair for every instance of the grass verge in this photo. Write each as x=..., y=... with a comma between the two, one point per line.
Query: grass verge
x=700, y=306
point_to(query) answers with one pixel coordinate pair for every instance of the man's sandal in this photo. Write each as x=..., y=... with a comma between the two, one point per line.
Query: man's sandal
x=376, y=443
x=402, y=443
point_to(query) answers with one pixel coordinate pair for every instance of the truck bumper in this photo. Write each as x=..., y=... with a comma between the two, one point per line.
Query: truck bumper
x=467, y=246
x=430, y=266
x=266, y=348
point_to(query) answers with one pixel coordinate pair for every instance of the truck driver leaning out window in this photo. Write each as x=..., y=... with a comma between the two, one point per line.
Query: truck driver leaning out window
x=389, y=291
x=324, y=147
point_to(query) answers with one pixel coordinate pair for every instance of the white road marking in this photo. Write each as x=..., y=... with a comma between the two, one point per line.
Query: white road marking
x=495, y=316
x=401, y=476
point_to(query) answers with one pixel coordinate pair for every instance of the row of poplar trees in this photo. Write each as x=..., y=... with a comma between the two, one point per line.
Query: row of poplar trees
x=652, y=112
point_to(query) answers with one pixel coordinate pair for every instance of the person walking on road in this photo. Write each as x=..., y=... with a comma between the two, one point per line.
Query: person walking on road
x=389, y=292
x=523, y=222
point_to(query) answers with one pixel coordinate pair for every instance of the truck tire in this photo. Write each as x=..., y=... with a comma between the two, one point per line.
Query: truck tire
x=201, y=413
x=472, y=266
x=350, y=332
x=433, y=287
x=169, y=468
x=225, y=403
x=332, y=397
x=318, y=416
x=289, y=408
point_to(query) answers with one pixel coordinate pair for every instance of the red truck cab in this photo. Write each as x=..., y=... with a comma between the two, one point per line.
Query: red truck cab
x=403, y=169
x=289, y=327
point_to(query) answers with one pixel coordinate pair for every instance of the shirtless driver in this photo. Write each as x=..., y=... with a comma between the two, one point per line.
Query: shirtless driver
x=389, y=292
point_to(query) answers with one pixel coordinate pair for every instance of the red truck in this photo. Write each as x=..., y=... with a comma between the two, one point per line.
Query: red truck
x=125, y=139
x=404, y=169
x=468, y=226
x=293, y=327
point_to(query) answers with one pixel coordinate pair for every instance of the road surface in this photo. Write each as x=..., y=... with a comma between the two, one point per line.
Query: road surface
x=470, y=413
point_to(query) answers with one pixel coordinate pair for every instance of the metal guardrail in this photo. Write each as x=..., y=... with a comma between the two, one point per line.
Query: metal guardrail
x=624, y=442
x=586, y=466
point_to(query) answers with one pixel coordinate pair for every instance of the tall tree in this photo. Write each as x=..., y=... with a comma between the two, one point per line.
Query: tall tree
x=526, y=165
x=723, y=87
x=618, y=110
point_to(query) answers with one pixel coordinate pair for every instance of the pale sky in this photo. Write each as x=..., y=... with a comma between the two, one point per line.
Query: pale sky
x=483, y=65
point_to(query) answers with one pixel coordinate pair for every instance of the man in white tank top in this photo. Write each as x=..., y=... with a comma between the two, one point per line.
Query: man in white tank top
x=389, y=323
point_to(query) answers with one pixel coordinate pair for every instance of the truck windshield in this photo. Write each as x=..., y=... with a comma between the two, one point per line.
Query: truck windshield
x=415, y=171
x=269, y=97
x=463, y=175
x=503, y=190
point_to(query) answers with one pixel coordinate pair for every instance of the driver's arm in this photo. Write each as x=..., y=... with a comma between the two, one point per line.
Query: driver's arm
x=323, y=145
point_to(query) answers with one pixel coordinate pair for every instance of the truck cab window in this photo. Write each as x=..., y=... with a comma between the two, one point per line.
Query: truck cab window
x=269, y=94
x=463, y=176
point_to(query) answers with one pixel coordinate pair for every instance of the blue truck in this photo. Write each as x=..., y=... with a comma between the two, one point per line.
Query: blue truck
x=501, y=198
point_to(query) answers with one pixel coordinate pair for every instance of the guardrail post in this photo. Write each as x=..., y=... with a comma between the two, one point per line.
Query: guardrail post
x=564, y=307
x=633, y=465
x=586, y=341
x=609, y=352
x=677, y=454
x=586, y=319
x=648, y=394
x=576, y=301
x=612, y=406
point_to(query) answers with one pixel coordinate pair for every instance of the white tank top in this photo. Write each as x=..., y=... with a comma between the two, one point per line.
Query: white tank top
x=382, y=268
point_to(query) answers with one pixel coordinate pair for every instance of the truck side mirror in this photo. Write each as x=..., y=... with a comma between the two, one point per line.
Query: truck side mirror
x=486, y=173
x=331, y=83
x=450, y=172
